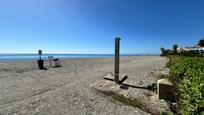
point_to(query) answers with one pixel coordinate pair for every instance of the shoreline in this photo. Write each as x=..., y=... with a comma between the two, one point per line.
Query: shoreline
x=15, y=59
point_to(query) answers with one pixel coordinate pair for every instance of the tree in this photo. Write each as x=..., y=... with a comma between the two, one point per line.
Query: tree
x=201, y=42
x=162, y=50
x=175, y=48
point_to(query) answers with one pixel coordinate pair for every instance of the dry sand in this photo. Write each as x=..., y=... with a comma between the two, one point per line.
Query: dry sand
x=66, y=90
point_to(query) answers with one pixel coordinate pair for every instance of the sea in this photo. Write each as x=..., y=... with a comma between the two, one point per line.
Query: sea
x=33, y=57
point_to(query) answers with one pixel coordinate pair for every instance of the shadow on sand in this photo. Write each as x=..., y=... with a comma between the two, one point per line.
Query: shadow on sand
x=126, y=86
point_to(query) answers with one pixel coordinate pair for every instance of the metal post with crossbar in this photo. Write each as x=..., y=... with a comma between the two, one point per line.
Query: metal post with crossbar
x=117, y=59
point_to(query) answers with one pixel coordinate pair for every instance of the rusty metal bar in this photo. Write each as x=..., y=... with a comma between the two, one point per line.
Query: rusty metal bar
x=125, y=78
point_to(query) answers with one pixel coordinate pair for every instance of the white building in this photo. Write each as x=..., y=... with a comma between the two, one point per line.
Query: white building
x=197, y=47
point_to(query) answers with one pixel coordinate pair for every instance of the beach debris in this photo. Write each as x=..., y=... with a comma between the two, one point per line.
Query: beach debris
x=75, y=99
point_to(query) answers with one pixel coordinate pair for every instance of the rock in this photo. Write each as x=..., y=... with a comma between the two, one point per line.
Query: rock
x=75, y=99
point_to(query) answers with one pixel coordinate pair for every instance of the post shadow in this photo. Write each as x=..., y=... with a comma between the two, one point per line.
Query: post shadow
x=44, y=68
x=126, y=86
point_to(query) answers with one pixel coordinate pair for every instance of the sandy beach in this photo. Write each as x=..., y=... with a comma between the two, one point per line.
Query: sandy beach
x=26, y=90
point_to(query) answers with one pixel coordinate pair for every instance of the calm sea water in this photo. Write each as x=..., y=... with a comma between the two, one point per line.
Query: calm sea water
x=33, y=57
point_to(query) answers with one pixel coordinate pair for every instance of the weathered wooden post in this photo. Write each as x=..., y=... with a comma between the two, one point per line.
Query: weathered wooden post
x=117, y=59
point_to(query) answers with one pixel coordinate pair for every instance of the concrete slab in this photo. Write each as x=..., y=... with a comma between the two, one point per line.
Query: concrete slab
x=165, y=89
x=149, y=100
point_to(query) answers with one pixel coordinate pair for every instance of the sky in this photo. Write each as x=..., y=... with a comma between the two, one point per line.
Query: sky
x=90, y=26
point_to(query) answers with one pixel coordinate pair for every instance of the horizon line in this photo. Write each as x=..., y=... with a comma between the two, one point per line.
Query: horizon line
x=80, y=53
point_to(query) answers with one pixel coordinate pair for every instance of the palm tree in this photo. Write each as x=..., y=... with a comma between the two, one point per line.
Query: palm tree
x=201, y=42
x=175, y=46
x=162, y=49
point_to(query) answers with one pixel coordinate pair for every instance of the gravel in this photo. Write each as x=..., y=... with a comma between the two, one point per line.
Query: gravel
x=66, y=90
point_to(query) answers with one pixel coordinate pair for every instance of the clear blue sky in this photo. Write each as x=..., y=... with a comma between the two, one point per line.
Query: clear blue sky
x=90, y=26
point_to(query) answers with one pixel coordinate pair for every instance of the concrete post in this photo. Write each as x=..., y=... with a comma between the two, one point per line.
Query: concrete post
x=117, y=59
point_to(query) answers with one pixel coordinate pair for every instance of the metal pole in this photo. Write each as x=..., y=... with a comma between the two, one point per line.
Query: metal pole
x=117, y=59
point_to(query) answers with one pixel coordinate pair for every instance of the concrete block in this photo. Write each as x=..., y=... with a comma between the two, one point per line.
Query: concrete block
x=165, y=89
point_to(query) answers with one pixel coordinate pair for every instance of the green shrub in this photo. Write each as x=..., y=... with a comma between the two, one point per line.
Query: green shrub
x=187, y=73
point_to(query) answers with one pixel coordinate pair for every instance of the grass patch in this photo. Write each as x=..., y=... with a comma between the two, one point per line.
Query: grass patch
x=126, y=101
x=129, y=102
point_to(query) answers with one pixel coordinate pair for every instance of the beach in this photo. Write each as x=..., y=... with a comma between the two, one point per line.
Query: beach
x=26, y=90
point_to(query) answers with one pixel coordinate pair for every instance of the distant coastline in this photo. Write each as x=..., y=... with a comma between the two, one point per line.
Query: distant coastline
x=33, y=57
